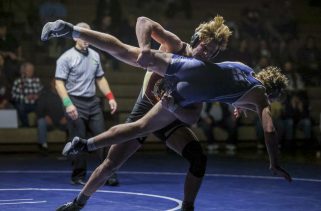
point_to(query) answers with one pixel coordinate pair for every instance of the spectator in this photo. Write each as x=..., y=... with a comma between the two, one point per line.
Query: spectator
x=106, y=25
x=51, y=10
x=11, y=52
x=296, y=115
x=4, y=88
x=127, y=30
x=286, y=22
x=218, y=115
x=25, y=92
x=110, y=8
x=50, y=115
x=263, y=62
x=310, y=58
x=251, y=25
x=242, y=54
x=296, y=83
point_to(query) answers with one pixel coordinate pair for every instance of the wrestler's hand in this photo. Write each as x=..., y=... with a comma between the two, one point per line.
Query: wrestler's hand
x=72, y=112
x=168, y=103
x=145, y=58
x=277, y=170
x=238, y=111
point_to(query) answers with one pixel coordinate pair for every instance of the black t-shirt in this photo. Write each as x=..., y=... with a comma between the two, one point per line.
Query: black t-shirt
x=50, y=104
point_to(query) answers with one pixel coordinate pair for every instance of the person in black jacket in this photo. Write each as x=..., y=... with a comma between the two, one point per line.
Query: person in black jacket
x=50, y=115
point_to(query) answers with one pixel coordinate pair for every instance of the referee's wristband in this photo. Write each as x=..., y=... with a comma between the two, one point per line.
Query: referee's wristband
x=67, y=102
x=110, y=96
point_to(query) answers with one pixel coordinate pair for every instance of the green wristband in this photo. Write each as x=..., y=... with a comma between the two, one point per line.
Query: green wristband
x=67, y=102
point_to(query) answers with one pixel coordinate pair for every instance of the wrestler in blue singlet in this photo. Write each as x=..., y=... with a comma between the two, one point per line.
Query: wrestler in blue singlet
x=190, y=80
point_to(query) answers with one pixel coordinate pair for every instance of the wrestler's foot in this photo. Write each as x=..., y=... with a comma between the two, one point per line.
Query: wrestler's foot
x=59, y=28
x=70, y=206
x=75, y=147
x=187, y=207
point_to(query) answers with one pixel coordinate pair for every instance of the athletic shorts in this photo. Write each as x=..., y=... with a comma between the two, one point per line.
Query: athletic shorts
x=141, y=107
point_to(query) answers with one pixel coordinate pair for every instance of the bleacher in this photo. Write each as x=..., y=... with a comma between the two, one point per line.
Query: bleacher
x=126, y=82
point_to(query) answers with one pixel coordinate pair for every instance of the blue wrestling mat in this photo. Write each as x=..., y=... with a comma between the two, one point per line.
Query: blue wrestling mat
x=155, y=182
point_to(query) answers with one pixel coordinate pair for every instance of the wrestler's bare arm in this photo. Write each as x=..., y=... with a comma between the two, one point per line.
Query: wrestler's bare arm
x=147, y=29
x=271, y=139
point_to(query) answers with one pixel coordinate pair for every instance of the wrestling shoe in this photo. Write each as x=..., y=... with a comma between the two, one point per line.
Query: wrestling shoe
x=187, y=207
x=70, y=206
x=77, y=182
x=59, y=28
x=75, y=147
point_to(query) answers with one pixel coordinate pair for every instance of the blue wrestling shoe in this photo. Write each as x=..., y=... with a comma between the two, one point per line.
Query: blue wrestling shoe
x=75, y=147
x=70, y=206
x=59, y=28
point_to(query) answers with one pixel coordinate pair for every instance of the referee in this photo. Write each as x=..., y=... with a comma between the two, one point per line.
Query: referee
x=77, y=71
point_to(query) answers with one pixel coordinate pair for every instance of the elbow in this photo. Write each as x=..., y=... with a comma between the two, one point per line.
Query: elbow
x=142, y=20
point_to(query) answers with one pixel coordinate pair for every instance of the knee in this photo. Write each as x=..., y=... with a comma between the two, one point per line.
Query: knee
x=108, y=166
x=194, y=154
x=140, y=126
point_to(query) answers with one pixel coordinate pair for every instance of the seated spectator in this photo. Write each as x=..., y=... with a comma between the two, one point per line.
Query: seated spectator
x=11, y=52
x=263, y=62
x=25, y=92
x=242, y=54
x=309, y=58
x=218, y=115
x=296, y=83
x=296, y=115
x=4, y=88
x=51, y=10
x=112, y=8
x=50, y=115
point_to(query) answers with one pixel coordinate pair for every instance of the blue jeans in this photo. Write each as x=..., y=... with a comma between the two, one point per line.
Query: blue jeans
x=23, y=110
x=43, y=128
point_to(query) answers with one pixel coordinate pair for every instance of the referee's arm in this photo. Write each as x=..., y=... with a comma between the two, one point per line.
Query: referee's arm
x=103, y=86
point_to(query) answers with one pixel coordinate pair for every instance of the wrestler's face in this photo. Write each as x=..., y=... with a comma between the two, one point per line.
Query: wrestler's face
x=205, y=51
x=277, y=95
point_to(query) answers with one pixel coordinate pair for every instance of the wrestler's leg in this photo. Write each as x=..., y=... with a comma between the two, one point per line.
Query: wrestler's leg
x=117, y=155
x=155, y=119
x=123, y=52
x=181, y=141
x=126, y=53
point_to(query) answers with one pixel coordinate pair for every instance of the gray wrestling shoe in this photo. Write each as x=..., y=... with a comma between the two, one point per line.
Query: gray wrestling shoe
x=59, y=28
x=70, y=206
x=75, y=147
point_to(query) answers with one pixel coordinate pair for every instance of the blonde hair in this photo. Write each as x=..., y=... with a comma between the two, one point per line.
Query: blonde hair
x=272, y=79
x=214, y=30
